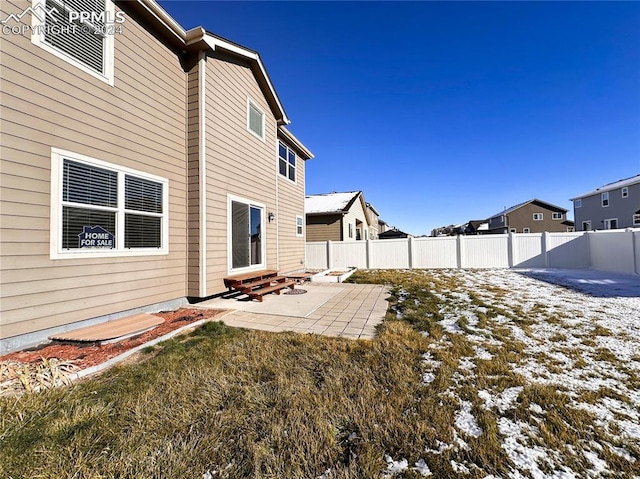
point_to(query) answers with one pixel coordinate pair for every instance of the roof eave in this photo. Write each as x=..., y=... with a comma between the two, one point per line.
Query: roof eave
x=290, y=138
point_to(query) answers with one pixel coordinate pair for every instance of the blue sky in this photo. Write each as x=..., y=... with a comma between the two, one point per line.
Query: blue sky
x=442, y=112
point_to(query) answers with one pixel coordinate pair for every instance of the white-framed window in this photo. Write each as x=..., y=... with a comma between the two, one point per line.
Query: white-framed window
x=299, y=226
x=636, y=219
x=100, y=209
x=556, y=215
x=538, y=216
x=255, y=119
x=570, y=229
x=501, y=218
x=526, y=230
x=604, y=198
x=577, y=203
x=350, y=230
x=625, y=192
x=286, y=162
x=586, y=225
x=81, y=32
x=513, y=230
x=611, y=224
x=246, y=230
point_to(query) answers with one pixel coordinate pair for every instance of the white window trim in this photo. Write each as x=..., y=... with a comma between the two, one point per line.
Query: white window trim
x=577, y=203
x=625, y=192
x=250, y=103
x=535, y=216
x=588, y=222
x=295, y=167
x=301, y=218
x=526, y=230
x=604, y=196
x=37, y=38
x=607, y=223
x=553, y=215
x=636, y=219
x=263, y=221
x=55, y=249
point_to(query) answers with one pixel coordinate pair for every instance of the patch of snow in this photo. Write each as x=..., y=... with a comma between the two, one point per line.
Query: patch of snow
x=466, y=422
x=422, y=468
x=459, y=467
x=395, y=467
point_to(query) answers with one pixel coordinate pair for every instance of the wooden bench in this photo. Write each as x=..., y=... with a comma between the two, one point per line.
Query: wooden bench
x=258, y=283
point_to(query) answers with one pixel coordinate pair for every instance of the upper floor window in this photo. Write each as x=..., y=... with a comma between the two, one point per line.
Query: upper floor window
x=604, y=197
x=100, y=209
x=286, y=161
x=577, y=203
x=625, y=192
x=556, y=216
x=255, y=119
x=299, y=226
x=80, y=32
x=537, y=216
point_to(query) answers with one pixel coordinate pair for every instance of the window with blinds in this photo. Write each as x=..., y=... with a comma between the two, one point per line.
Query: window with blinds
x=84, y=41
x=255, y=120
x=110, y=208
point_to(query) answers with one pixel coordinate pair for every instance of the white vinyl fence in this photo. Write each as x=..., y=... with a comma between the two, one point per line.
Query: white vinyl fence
x=616, y=251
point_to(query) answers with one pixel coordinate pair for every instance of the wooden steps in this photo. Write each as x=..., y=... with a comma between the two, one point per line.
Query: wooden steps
x=274, y=288
x=258, y=283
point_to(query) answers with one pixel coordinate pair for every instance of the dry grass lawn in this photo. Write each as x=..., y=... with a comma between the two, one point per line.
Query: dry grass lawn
x=449, y=388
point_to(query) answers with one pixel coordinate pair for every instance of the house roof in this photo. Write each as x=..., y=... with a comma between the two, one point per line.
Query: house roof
x=302, y=150
x=611, y=186
x=520, y=205
x=330, y=202
x=372, y=208
x=199, y=39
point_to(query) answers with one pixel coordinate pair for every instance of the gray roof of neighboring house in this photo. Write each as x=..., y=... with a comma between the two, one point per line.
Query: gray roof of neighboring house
x=520, y=205
x=611, y=186
x=330, y=202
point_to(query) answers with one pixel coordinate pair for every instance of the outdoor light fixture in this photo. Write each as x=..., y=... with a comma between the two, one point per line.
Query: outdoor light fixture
x=271, y=217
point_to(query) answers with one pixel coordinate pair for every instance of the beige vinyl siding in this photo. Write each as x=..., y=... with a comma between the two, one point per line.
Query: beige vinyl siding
x=323, y=228
x=291, y=204
x=356, y=212
x=46, y=102
x=238, y=163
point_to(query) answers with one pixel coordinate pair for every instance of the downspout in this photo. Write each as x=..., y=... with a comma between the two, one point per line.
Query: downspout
x=202, y=159
x=277, y=180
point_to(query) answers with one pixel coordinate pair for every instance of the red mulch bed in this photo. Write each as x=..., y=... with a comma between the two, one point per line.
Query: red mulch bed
x=84, y=355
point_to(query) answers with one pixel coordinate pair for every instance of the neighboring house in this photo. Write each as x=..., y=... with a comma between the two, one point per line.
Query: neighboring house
x=473, y=227
x=138, y=169
x=336, y=217
x=393, y=233
x=614, y=205
x=477, y=227
x=533, y=216
x=382, y=226
x=373, y=219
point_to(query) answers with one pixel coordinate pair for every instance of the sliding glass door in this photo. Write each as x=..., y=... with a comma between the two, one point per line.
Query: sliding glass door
x=247, y=223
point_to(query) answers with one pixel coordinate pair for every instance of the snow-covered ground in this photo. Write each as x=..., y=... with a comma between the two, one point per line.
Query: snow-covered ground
x=580, y=335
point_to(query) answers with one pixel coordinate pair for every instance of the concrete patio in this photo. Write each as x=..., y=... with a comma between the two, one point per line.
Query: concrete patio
x=332, y=309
